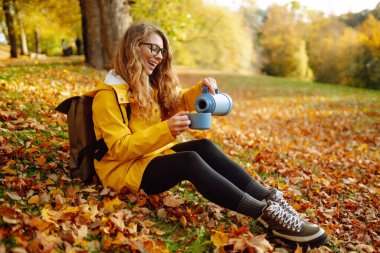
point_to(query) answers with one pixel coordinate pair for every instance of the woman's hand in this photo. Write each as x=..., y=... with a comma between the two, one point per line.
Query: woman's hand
x=210, y=83
x=178, y=123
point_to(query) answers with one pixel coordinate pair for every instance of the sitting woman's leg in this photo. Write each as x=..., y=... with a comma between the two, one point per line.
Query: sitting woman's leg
x=164, y=172
x=229, y=169
x=225, y=166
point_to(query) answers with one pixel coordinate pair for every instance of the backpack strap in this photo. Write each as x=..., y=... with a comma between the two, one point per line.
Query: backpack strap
x=99, y=148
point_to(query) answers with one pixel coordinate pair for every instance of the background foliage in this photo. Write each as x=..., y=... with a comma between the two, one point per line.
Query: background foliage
x=285, y=40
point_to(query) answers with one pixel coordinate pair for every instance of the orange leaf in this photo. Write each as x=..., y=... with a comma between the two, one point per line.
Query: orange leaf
x=298, y=249
x=34, y=200
x=142, y=202
x=183, y=221
x=11, y=162
x=120, y=239
x=41, y=160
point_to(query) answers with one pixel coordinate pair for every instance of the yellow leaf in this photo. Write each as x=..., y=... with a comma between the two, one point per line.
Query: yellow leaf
x=49, y=181
x=9, y=171
x=282, y=186
x=34, y=200
x=41, y=160
x=219, y=238
x=56, y=191
x=82, y=243
x=71, y=209
x=11, y=162
x=111, y=204
x=50, y=216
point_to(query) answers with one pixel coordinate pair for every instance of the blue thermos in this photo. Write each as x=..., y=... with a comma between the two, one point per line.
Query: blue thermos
x=219, y=104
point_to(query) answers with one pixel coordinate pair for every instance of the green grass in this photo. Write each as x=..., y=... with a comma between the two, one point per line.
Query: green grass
x=189, y=239
x=268, y=86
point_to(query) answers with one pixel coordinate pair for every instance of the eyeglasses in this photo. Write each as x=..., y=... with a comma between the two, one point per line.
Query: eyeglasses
x=155, y=49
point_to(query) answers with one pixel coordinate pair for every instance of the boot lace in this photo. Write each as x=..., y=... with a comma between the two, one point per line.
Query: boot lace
x=284, y=204
x=283, y=217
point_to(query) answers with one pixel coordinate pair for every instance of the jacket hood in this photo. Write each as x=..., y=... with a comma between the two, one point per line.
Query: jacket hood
x=112, y=78
x=113, y=82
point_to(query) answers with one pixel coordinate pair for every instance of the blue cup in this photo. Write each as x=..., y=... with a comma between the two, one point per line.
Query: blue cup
x=200, y=121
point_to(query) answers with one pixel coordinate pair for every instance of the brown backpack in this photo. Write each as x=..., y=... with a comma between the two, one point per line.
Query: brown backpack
x=84, y=147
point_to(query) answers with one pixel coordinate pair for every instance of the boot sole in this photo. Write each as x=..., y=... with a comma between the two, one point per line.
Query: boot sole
x=315, y=242
x=322, y=240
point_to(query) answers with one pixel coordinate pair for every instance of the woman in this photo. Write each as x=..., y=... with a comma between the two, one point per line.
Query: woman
x=143, y=153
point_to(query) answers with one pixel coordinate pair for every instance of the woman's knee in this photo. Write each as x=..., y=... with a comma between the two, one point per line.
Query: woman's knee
x=191, y=157
x=193, y=162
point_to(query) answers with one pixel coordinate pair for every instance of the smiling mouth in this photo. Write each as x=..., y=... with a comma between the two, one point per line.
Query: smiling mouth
x=152, y=64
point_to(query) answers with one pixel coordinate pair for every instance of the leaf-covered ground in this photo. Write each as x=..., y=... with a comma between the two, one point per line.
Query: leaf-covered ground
x=318, y=143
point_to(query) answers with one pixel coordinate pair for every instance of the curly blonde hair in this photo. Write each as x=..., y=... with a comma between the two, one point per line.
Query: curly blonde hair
x=129, y=65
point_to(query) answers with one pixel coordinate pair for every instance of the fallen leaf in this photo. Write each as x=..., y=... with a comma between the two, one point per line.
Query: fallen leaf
x=41, y=160
x=183, y=221
x=173, y=201
x=219, y=238
x=34, y=200
x=14, y=196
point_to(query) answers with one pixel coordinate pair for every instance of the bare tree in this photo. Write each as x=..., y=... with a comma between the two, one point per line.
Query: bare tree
x=103, y=25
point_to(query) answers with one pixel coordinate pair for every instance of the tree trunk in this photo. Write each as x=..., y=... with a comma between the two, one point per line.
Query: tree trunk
x=24, y=44
x=37, y=42
x=22, y=35
x=103, y=24
x=11, y=28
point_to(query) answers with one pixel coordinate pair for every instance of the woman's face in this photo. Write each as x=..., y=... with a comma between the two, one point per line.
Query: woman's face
x=152, y=52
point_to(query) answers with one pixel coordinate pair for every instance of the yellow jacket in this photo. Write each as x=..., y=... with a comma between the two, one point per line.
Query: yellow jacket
x=134, y=144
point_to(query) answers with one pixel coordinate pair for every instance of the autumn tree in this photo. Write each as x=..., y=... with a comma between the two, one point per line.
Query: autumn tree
x=283, y=45
x=332, y=46
x=36, y=23
x=184, y=28
x=227, y=44
x=367, y=71
x=200, y=34
x=253, y=17
x=103, y=23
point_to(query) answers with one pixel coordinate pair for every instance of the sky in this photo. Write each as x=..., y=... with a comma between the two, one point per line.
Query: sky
x=335, y=7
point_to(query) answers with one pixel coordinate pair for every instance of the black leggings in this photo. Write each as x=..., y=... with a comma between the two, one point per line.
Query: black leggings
x=214, y=175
